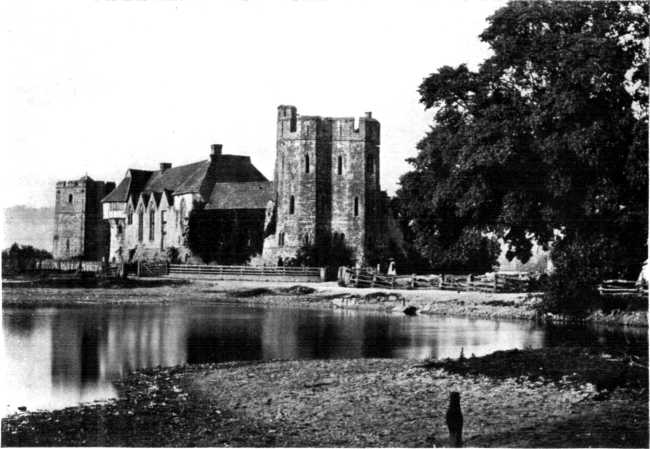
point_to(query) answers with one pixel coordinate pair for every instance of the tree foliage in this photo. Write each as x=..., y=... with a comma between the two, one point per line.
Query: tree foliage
x=326, y=251
x=549, y=133
x=19, y=258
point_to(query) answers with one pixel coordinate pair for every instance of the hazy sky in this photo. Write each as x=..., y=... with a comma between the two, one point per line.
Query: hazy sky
x=99, y=86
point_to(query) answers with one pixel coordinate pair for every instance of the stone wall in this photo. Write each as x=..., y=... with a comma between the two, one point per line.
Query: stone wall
x=79, y=231
x=339, y=195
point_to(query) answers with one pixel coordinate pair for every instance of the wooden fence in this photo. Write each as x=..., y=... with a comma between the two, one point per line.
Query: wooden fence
x=620, y=287
x=490, y=283
x=242, y=272
x=70, y=265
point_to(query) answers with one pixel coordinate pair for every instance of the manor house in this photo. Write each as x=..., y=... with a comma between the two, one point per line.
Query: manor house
x=213, y=209
x=326, y=186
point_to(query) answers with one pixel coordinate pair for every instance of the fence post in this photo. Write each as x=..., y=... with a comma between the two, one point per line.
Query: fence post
x=139, y=268
x=413, y=280
x=455, y=420
x=323, y=274
x=374, y=280
x=496, y=283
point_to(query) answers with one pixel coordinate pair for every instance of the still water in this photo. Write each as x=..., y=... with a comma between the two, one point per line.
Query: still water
x=57, y=357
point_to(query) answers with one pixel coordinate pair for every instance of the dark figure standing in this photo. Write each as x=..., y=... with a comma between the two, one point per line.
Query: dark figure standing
x=455, y=420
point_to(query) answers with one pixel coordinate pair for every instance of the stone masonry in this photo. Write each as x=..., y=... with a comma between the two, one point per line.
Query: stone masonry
x=79, y=230
x=326, y=183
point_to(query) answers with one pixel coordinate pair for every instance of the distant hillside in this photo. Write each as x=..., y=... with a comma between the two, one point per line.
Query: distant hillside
x=28, y=226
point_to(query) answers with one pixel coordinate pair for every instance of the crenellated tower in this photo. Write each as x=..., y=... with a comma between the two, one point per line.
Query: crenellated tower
x=326, y=182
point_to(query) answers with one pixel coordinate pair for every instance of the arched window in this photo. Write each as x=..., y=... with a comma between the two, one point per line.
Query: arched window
x=306, y=163
x=69, y=198
x=356, y=206
x=339, y=169
x=181, y=215
x=152, y=223
x=140, y=225
x=292, y=205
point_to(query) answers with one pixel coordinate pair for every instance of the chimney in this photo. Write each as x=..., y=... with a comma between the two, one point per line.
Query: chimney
x=216, y=150
x=165, y=166
x=368, y=114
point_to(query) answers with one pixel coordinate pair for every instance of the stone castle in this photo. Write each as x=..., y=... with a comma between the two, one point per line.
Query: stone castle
x=79, y=230
x=326, y=183
x=326, y=186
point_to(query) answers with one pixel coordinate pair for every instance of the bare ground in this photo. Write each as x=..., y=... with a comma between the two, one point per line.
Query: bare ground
x=353, y=403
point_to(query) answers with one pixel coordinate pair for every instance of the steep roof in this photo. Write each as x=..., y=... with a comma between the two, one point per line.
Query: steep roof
x=240, y=195
x=132, y=184
x=173, y=178
x=198, y=177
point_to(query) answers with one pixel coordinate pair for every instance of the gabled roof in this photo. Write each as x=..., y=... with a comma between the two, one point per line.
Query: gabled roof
x=198, y=177
x=173, y=178
x=240, y=195
x=132, y=184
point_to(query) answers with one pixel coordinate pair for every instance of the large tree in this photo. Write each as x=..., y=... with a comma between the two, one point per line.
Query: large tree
x=550, y=133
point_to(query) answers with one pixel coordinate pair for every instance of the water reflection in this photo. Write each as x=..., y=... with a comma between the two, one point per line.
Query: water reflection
x=59, y=357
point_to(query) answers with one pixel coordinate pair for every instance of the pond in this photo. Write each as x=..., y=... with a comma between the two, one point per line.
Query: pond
x=58, y=357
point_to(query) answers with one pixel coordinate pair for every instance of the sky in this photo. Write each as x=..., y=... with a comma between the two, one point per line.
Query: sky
x=96, y=87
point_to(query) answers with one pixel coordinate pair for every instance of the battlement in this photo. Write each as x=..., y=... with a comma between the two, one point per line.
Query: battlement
x=291, y=125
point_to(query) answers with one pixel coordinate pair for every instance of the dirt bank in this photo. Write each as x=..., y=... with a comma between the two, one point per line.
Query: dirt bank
x=322, y=295
x=357, y=403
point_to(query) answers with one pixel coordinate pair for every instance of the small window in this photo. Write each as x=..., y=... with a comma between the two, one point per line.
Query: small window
x=281, y=239
x=339, y=169
x=292, y=205
x=306, y=163
x=356, y=206
x=69, y=198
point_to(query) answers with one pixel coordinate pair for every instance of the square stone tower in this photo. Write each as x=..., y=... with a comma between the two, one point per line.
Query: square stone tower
x=326, y=182
x=79, y=231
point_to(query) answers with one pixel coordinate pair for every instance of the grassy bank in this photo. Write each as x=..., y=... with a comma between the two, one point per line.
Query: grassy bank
x=365, y=402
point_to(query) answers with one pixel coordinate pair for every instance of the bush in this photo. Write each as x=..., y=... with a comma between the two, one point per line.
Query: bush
x=325, y=252
x=18, y=259
x=580, y=265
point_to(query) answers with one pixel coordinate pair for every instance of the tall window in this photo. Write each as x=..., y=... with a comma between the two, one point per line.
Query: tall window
x=140, y=225
x=339, y=169
x=356, y=206
x=152, y=224
x=67, y=246
x=69, y=198
x=306, y=163
x=163, y=230
x=182, y=213
x=292, y=205
x=129, y=215
x=281, y=239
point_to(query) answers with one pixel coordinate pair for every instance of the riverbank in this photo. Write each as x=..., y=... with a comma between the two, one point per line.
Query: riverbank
x=552, y=397
x=520, y=306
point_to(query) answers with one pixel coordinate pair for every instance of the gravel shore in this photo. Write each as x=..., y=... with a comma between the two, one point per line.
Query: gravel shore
x=559, y=397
